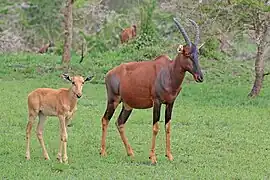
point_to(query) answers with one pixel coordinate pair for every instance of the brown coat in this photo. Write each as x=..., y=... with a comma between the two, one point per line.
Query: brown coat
x=128, y=34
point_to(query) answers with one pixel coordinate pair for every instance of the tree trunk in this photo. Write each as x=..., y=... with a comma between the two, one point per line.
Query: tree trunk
x=68, y=33
x=261, y=30
x=259, y=72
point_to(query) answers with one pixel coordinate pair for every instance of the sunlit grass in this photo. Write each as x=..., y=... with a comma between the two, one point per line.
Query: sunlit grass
x=217, y=132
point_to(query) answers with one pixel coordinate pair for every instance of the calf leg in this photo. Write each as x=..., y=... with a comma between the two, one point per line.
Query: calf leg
x=63, y=142
x=39, y=132
x=59, y=154
x=168, y=114
x=111, y=106
x=156, y=116
x=31, y=119
x=122, y=119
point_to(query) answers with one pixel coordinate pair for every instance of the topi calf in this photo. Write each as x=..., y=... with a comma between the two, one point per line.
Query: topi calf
x=62, y=103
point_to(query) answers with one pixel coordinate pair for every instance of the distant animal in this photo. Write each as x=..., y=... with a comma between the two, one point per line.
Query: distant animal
x=62, y=103
x=45, y=48
x=128, y=34
x=146, y=84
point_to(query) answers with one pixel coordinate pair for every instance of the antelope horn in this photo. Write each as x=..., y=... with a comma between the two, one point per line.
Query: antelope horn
x=197, y=36
x=183, y=32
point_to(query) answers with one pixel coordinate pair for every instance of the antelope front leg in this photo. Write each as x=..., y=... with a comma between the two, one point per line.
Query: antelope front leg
x=63, y=141
x=168, y=114
x=156, y=116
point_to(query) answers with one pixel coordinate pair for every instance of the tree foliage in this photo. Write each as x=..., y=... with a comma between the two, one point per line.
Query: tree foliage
x=44, y=18
x=148, y=33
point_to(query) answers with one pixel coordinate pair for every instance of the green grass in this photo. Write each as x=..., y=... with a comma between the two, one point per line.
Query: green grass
x=217, y=132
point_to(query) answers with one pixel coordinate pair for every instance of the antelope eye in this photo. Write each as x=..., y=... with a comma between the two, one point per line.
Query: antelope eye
x=73, y=82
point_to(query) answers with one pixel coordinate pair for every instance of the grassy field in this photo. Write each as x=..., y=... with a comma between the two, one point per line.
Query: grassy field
x=217, y=132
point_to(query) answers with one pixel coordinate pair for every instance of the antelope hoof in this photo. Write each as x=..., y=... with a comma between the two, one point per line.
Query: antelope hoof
x=130, y=153
x=103, y=153
x=46, y=157
x=27, y=156
x=59, y=158
x=65, y=160
x=169, y=156
x=153, y=160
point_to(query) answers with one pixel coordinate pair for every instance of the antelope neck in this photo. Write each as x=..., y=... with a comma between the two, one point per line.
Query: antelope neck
x=177, y=72
x=72, y=95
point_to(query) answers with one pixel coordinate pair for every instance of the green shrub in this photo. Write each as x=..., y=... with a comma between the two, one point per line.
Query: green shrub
x=211, y=49
x=148, y=33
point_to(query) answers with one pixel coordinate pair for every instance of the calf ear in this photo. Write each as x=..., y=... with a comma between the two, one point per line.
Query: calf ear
x=88, y=78
x=66, y=77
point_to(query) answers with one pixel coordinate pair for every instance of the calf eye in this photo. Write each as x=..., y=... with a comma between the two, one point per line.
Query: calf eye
x=73, y=82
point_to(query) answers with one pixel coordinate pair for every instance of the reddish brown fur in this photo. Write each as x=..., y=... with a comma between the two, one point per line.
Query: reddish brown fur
x=142, y=85
x=62, y=103
x=45, y=48
x=140, y=94
x=128, y=34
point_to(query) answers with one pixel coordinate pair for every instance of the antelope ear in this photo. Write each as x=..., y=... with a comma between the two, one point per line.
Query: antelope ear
x=66, y=77
x=180, y=48
x=88, y=78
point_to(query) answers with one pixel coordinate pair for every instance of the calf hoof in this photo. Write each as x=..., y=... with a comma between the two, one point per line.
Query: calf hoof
x=46, y=157
x=65, y=161
x=59, y=158
x=27, y=156
x=130, y=153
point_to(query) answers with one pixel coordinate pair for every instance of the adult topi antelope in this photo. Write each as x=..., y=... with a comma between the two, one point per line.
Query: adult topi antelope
x=45, y=48
x=146, y=84
x=62, y=103
x=128, y=34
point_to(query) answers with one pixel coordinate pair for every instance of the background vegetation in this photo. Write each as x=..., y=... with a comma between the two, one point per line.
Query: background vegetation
x=217, y=132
